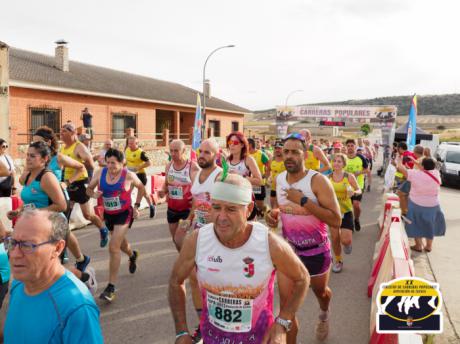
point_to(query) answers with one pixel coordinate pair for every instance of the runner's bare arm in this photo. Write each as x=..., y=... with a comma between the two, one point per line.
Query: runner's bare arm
x=256, y=177
x=287, y=262
x=162, y=193
x=354, y=184
x=136, y=182
x=65, y=161
x=93, y=183
x=319, y=154
x=401, y=168
x=52, y=188
x=84, y=154
x=4, y=171
x=181, y=270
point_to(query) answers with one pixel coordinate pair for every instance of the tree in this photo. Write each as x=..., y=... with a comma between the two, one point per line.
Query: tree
x=366, y=129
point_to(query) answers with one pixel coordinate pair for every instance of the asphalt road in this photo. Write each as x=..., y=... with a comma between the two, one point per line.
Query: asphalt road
x=140, y=312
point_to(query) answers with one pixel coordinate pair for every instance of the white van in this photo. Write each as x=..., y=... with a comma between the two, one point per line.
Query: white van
x=449, y=157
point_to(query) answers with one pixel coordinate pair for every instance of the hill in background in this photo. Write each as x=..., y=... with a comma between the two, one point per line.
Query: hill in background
x=438, y=105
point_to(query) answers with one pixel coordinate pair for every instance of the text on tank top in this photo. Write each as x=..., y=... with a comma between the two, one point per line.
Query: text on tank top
x=201, y=193
x=70, y=152
x=179, y=187
x=237, y=287
x=305, y=232
x=115, y=197
x=239, y=168
x=341, y=192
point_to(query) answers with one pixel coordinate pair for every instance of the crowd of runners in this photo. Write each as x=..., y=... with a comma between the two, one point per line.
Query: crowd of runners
x=223, y=212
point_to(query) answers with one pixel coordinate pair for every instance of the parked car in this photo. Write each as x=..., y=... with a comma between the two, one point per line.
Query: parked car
x=449, y=157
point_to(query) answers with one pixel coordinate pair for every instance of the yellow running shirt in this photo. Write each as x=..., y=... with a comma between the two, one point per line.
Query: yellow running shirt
x=354, y=165
x=135, y=159
x=341, y=192
x=276, y=167
x=261, y=159
x=311, y=163
x=70, y=152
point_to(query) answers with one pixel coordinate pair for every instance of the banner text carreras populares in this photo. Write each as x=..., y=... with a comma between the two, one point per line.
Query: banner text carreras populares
x=383, y=113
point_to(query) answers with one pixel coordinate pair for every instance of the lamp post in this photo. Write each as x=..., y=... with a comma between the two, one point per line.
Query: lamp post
x=203, y=126
x=289, y=95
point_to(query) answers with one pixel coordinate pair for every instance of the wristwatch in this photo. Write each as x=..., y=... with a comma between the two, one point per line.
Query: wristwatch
x=287, y=324
x=303, y=201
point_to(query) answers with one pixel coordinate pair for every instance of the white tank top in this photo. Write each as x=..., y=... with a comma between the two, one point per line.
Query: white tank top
x=240, y=168
x=201, y=193
x=237, y=287
x=305, y=232
x=179, y=185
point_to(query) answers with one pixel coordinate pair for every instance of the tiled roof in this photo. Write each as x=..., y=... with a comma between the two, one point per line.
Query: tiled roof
x=40, y=69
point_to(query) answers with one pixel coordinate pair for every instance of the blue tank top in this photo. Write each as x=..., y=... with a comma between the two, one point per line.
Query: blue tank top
x=115, y=197
x=34, y=194
x=55, y=168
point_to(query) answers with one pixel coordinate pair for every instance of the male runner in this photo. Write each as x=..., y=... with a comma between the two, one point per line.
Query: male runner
x=314, y=156
x=356, y=164
x=276, y=166
x=262, y=161
x=115, y=184
x=202, y=184
x=235, y=262
x=177, y=186
x=307, y=205
x=77, y=189
x=137, y=161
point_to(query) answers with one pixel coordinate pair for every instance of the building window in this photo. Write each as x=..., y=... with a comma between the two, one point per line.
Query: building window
x=121, y=122
x=43, y=116
x=235, y=126
x=215, y=125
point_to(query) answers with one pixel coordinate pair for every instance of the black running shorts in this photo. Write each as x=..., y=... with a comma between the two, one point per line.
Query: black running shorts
x=125, y=217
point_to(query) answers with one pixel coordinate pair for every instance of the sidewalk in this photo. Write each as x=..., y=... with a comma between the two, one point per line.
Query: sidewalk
x=441, y=266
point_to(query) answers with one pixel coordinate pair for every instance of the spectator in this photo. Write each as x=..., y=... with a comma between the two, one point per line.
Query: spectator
x=100, y=157
x=87, y=119
x=58, y=307
x=4, y=266
x=7, y=172
x=425, y=218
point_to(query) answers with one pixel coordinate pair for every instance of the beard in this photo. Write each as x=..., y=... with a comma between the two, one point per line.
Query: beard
x=294, y=166
x=204, y=164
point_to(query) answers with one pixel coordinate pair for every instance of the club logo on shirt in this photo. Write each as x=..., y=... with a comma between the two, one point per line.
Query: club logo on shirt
x=214, y=259
x=249, y=268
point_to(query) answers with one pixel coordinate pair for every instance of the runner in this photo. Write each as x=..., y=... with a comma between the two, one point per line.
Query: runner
x=369, y=155
x=243, y=164
x=177, y=186
x=57, y=163
x=345, y=186
x=202, y=184
x=276, y=166
x=314, y=156
x=115, y=184
x=77, y=188
x=307, y=205
x=356, y=165
x=262, y=161
x=137, y=161
x=41, y=190
x=235, y=262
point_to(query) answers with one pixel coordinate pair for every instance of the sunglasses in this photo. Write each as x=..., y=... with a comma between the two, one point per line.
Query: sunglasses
x=294, y=136
x=4, y=146
x=233, y=142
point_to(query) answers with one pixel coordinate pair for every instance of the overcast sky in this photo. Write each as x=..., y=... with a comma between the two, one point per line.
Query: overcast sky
x=332, y=50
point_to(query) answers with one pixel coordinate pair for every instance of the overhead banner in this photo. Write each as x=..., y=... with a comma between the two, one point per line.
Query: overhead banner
x=342, y=112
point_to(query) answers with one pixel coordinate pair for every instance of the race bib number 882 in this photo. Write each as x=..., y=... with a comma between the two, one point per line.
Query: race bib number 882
x=230, y=314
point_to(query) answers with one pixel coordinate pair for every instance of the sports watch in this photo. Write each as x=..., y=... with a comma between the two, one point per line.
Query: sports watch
x=303, y=201
x=287, y=324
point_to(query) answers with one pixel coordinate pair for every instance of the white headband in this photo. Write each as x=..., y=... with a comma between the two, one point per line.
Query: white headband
x=231, y=193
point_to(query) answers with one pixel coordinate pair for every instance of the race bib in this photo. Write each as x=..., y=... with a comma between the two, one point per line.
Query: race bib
x=112, y=203
x=229, y=314
x=201, y=217
x=257, y=190
x=176, y=192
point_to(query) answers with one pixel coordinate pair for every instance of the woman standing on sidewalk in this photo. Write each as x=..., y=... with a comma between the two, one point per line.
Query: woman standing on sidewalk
x=345, y=186
x=425, y=218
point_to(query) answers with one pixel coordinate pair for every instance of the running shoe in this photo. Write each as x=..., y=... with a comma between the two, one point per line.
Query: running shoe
x=132, y=261
x=337, y=267
x=108, y=294
x=153, y=211
x=104, y=236
x=82, y=265
x=196, y=337
x=322, y=330
x=347, y=249
x=357, y=225
x=91, y=283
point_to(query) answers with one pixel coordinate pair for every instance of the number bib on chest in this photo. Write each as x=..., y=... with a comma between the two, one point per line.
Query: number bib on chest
x=257, y=190
x=230, y=314
x=112, y=203
x=176, y=192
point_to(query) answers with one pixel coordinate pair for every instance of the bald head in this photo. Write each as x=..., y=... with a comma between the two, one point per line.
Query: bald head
x=210, y=144
x=177, y=144
x=306, y=133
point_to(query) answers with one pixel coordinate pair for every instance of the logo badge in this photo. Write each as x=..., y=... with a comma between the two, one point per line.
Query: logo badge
x=249, y=268
x=409, y=305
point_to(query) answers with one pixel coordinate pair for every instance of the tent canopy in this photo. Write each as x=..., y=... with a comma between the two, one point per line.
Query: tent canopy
x=401, y=134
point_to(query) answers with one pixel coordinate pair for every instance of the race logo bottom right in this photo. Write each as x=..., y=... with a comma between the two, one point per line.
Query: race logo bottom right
x=409, y=305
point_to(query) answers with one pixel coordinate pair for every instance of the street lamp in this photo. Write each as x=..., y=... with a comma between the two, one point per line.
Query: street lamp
x=203, y=126
x=289, y=95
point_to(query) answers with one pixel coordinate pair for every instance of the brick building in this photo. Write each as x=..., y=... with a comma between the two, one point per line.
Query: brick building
x=37, y=89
